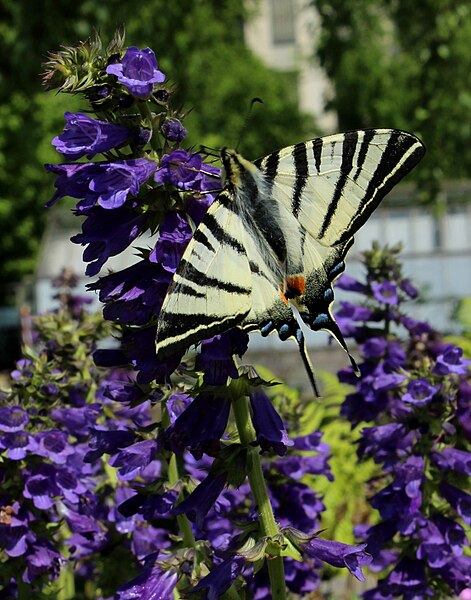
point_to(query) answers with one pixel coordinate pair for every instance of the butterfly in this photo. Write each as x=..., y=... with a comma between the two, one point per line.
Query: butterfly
x=277, y=236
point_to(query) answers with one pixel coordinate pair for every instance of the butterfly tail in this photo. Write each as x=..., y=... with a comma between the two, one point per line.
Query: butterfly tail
x=301, y=341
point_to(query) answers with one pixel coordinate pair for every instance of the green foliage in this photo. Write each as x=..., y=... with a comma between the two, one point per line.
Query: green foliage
x=462, y=314
x=405, y=64
x=199, y=45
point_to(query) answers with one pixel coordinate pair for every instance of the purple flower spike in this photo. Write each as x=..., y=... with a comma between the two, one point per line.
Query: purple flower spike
x=271, y=432
x=13, y=418
x=85, y=135
x=339, y=555
x=420, y=392
x=138, y=71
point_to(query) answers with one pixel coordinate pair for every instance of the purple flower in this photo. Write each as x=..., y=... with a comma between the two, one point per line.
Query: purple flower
x=42, y=558
x=73, y=179
x=221, y=577
x=117, y=180
x=452, y=361
x=386, y=443
x=407, y=287
x=138, y=71
x=200, y=426
x=453, y=459
x=105, y=183
x=295, y=504
x=374, y=348
x=186, y=171
x=297, y=466
x=108, y=442
x=457, y=573
x=108, y=233
x=202, y=499
x=18, y=444
x=345, y=282
x=385, y=292
x=402, y=499
x=339, y=555
x=216, y=358
x=173, y=130
x=312, y=441
x=132, y=459
x=135, y=294
x=407, y=579
x=176, y=404
x=77, y=420
x=271, y=432
x=54, y=445
x=433, y=548
x=461, y=501
x=420, y=392
x=13, y=418
x=41, y=488
x=151, y=584
x=175, y=233
x=85, y=135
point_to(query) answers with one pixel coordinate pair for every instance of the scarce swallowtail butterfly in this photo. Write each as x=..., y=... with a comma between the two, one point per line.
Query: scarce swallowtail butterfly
x=277, y=235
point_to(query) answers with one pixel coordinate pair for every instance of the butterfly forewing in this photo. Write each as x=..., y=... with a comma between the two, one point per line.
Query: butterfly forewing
x=332, y=184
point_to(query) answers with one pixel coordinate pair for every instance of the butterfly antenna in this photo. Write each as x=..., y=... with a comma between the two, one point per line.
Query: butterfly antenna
x=301, y=341
x=247, y=120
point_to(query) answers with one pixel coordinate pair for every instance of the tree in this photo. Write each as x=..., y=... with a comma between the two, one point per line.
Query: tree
x=403, y=64
x=199, y=46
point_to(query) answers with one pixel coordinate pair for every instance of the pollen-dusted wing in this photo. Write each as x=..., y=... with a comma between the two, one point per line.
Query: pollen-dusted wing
x=278, y=233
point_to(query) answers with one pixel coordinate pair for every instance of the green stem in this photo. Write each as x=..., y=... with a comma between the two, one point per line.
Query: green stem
x=146, y=113
x=259, y=490
x=182, y=520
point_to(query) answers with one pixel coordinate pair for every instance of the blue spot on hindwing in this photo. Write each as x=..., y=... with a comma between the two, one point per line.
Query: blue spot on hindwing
x=337, y=269
x=267, y=328
x=321, y=320
x=284, y=331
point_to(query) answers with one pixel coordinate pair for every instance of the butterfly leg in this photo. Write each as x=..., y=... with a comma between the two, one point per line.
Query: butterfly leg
x=292, y=330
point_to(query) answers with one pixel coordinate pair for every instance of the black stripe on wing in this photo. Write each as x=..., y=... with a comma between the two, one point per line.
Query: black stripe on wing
x=348, y=151
x=390, y=170
x=302, y=173
x=187, y=272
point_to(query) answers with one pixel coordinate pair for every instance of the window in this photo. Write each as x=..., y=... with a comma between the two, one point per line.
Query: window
x=282, y=13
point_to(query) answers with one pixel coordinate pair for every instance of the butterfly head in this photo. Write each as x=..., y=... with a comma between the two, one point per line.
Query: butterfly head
x=236, y=169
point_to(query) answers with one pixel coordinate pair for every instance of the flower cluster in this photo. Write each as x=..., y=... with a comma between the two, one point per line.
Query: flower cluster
x=417, y=392
x=124, y=462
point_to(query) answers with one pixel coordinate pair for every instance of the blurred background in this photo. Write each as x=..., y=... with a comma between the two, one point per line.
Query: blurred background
x=320, y=67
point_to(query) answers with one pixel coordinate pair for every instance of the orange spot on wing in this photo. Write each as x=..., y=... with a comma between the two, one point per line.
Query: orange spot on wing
x=297, y=283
